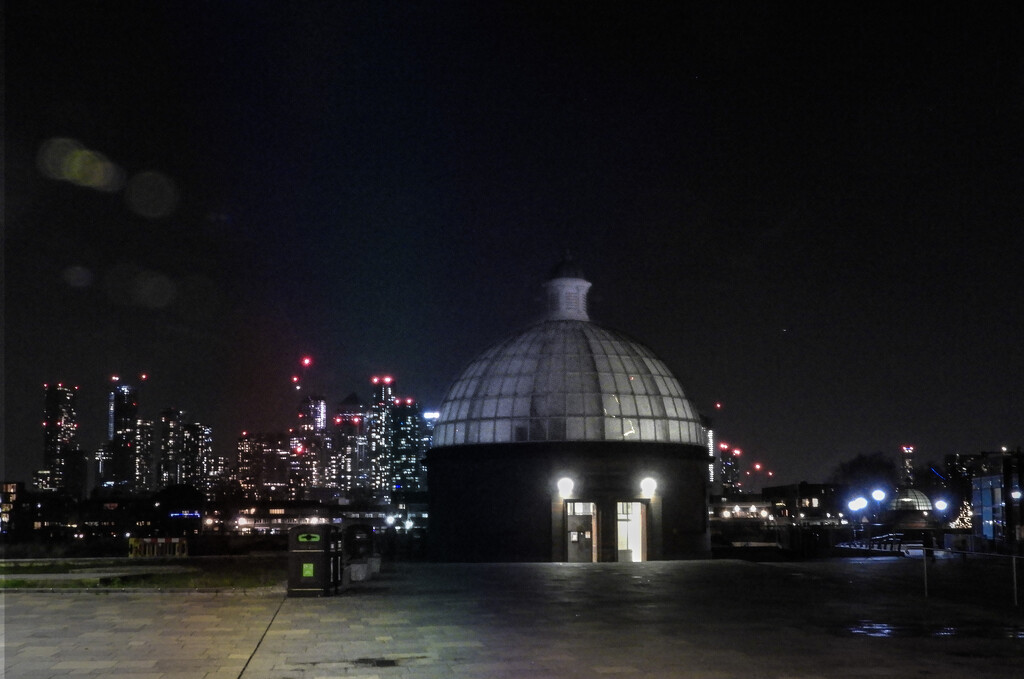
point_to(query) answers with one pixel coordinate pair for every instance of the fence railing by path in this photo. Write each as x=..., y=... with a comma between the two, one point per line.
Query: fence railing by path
x=929, y=556
x=892, y=542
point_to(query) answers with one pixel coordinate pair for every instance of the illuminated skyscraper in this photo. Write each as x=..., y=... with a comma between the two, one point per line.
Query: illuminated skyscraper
x=351, y=466
x=64, y=463
x=313, y=415
x=201, y=468
x=102, y=460
x=141, y=458
x=907, y=470
x=170, y=445
x=264, y=466
x=131, y=466
x=122, y=409
x=249, y=464
x=316, y=445
x=409, y=443
x=729, y=458
x=302, y=463
x=184, y=452
x=379, y=434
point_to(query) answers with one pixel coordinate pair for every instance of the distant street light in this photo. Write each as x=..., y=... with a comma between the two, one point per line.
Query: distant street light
x=855, y=506
x=878, y=495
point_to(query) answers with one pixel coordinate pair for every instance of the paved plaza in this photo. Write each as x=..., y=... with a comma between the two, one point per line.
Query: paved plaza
x=701, y=619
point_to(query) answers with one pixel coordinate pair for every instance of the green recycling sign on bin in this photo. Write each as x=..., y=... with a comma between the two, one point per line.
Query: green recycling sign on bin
x=308, y=537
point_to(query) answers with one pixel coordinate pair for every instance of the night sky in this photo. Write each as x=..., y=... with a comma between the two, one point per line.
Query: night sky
x=814, y=213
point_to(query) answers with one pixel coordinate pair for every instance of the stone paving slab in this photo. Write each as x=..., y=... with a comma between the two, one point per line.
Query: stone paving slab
x=700, y=620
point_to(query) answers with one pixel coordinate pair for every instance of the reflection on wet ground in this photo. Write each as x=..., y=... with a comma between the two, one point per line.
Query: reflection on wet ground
x=830, y=619
x=871, y=628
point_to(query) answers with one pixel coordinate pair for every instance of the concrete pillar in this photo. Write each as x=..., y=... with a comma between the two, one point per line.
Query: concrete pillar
x=654, y=528
x=607, y=530
x=559, y=532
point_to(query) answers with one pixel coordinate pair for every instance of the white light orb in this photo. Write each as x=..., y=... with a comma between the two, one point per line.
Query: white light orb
x=565, y=486
x=648, y=486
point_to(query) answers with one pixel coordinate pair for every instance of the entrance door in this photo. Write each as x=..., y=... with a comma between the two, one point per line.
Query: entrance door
x=582, y=547
x=632, y=535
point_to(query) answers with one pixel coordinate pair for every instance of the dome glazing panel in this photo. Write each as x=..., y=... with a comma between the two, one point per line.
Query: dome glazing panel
x=909, y=499
x=567, y=380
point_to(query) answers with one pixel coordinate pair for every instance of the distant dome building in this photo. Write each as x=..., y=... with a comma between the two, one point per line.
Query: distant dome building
x=909, y=508
x=568, y=442
x=910, y=500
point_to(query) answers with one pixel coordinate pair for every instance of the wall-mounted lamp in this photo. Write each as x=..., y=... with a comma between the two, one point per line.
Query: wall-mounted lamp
x=648, y=486
x=565, y=486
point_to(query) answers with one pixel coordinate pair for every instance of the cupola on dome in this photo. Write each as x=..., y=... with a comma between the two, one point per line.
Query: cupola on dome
x=567, y=379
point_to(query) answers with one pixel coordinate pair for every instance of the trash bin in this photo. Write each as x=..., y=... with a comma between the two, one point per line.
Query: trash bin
x=314, y=560
x=362, y=560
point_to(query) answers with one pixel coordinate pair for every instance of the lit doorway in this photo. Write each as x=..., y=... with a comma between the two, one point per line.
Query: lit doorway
x=632, y=538
x=582, y=547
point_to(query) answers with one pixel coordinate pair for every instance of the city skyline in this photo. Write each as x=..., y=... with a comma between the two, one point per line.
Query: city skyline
x=78, y=466
x=811, y=214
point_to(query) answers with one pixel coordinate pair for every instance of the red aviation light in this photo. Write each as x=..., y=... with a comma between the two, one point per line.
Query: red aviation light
x=388, y=379
x=409, y=401
x=307, y=361
x=357, y=419
x=339, y=419
x=723, y=446
x=295, y=379
x=375, y=380
x=143, y=376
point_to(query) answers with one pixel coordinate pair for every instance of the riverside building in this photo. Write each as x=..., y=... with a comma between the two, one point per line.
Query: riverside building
x=568, y=442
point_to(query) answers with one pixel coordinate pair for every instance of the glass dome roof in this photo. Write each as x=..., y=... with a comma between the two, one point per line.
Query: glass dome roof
x=910, y=499
x=567, y=379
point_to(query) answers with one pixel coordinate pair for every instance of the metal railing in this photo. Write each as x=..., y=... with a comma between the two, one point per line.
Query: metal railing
x=929, y=555
x=892, y=542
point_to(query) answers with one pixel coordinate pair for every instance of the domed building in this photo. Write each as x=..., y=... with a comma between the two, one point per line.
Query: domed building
x=908, y=509
x=568, y=442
